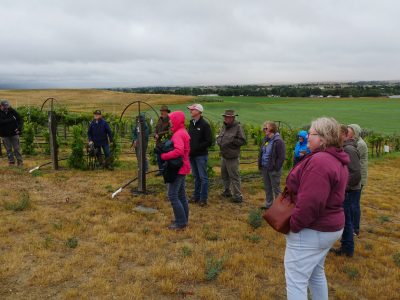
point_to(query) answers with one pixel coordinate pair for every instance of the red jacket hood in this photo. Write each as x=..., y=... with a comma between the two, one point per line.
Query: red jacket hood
x=177, y=119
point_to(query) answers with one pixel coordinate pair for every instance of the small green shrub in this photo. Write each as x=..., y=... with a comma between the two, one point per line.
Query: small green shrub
x=22, y=205
x=72, y=242
x=186, y=251
x=255, y=218
x=210, y=235
x=76, y=160
x=47, y=242
x=213, y=268
x=351, y=272
x=115, y=149
x=29, y=138
x=37, y=173
x=396, y=259
x=368, y=246
x=58, y=225
x=383, y=219
x=255, y=238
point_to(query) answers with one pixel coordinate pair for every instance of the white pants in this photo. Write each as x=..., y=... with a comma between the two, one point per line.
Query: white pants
x=304, y=263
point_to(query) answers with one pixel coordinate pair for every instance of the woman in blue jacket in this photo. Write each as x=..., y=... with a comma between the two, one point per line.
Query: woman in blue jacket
x=301, y=149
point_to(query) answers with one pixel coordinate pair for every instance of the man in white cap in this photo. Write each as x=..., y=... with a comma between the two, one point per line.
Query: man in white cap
x=10, y=130
x=200, y=141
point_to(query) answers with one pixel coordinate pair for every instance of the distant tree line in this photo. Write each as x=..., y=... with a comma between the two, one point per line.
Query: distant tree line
x=341, y=90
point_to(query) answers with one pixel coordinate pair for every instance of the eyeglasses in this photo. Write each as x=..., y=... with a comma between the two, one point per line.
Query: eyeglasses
x=265, y=129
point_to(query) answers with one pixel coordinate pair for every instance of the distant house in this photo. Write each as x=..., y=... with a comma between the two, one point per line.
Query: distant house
x=209, y=95
x=394, y=97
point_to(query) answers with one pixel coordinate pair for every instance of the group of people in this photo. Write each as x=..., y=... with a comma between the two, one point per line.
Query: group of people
x=330, y=171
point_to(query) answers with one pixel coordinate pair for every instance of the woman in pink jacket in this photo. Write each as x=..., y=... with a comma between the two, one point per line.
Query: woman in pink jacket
x=176, y=189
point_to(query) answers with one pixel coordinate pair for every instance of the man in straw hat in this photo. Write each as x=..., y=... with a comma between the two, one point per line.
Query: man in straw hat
x=162, y=128
x=230, y=139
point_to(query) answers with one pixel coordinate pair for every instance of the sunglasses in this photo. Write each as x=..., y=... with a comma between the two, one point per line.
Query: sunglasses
x=265, y=129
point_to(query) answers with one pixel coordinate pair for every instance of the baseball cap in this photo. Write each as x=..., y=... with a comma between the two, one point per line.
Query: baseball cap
x=196, y=106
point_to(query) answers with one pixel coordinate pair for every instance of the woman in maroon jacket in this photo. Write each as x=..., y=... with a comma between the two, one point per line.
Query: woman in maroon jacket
x=318, y=184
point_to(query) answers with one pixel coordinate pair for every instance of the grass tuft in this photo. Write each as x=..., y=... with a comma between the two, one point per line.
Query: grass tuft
x=23, y=204
x=255, y=218
x=210, y=235
x=213, y=268
x=186, y=251
x=72, y=242
x=396, y=259
x=383, y=219
x=255, y=238
x=351, y=272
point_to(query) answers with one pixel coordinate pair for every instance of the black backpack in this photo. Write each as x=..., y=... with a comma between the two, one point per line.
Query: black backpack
x=172, y=166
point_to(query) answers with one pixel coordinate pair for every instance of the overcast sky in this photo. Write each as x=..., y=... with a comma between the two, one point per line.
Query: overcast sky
x=121, y=43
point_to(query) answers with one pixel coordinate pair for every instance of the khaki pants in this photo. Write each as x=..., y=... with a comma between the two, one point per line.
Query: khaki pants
x=11, y=143
x=231, y=177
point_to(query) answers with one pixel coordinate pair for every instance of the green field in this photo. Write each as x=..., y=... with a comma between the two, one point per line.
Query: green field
x=379, y=114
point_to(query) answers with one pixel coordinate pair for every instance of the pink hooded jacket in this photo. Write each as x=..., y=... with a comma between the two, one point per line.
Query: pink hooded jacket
x=181, y=140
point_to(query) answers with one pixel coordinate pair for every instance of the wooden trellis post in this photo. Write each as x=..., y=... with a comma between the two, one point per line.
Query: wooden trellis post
x=53, y=139
x=141, y=156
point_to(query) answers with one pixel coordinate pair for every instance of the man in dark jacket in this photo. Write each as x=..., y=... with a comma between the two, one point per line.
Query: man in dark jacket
x=161, y=130
x=270, y=161
x=353, y=191
x=230, y=139
x=200, y=141
x=10, y=129
x=99, y=134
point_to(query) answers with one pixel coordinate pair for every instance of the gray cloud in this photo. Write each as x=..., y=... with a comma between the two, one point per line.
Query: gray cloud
x=55, y=43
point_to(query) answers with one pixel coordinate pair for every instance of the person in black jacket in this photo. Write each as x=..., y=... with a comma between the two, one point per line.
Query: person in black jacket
x=200, y=141
x=353, y=191
x=99, y=134
x=10, y=129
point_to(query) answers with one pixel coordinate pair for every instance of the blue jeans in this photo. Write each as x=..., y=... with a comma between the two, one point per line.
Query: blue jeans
x=347, y=237
x=357, y=212
x=106, y=150
x=177, y=196
x=199, y=172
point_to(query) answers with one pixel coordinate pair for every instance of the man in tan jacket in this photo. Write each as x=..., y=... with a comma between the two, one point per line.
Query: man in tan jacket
x=230, y=139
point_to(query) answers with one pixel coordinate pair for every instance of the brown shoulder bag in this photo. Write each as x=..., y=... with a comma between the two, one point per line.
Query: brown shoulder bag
x=278, y=215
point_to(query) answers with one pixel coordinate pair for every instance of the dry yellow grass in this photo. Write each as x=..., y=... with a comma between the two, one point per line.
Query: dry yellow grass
x=87, y=99
x=125, y=254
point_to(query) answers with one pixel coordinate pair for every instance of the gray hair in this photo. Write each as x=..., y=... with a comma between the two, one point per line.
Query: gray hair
x=4, y=103
x=328, y=129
